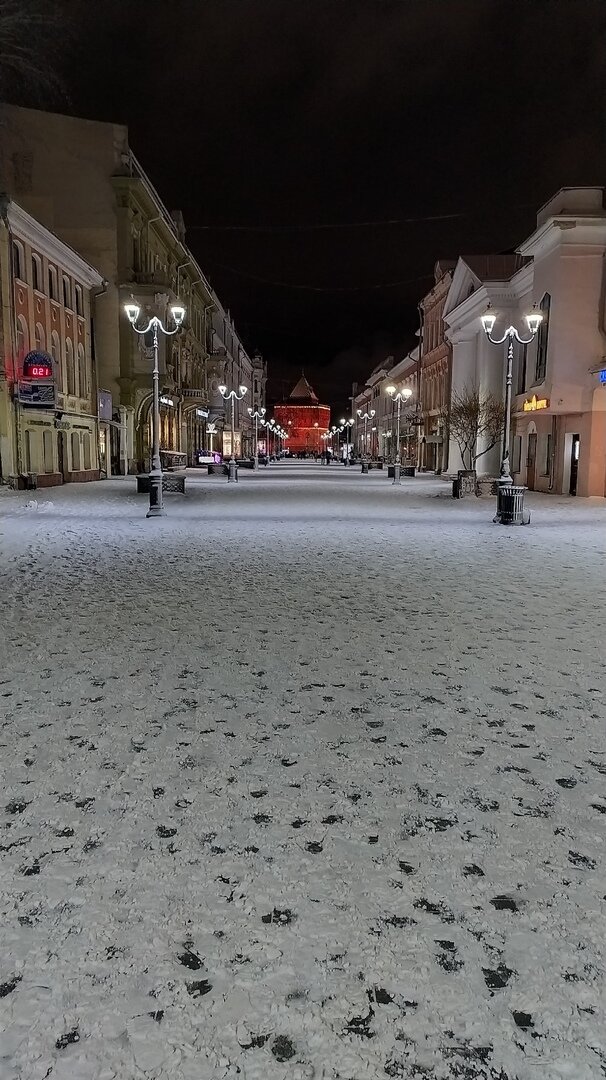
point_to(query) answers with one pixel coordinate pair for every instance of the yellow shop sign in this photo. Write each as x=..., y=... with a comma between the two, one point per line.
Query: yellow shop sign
x=534, y=403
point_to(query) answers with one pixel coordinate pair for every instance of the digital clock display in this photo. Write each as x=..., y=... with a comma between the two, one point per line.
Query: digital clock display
x=37, y=366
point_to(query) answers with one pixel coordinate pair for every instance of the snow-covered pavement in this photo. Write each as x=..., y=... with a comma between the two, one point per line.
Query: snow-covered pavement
x=305, y=780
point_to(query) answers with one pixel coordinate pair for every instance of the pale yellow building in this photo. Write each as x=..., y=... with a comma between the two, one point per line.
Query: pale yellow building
x=48, y=393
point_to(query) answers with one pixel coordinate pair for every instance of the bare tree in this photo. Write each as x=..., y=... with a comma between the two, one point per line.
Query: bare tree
x=473, y=416
x=30, y=33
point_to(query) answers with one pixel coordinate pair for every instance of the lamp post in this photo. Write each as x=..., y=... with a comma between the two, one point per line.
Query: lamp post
x=533, y=321
x=211, y=431
x=258, y=414
x=347, y=425
x=399, y=397
x=156, y=507
x=366, y=416
x=233, y=396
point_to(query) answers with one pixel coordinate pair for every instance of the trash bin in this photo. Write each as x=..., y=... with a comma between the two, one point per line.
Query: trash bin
x=364, y=466
x=510, y=505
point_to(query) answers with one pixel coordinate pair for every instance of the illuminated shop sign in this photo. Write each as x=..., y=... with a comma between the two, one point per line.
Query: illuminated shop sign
x=534, y=403
x=167, y=401
x=202, y=413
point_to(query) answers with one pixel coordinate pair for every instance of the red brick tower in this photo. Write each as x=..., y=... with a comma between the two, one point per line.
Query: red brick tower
x=304, y=419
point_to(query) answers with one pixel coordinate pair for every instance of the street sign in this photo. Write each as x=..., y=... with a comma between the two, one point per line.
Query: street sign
x=38, y=395
x=105, y=408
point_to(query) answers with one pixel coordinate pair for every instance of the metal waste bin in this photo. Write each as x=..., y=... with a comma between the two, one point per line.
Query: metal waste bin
x=364, y=466
x=510, y=505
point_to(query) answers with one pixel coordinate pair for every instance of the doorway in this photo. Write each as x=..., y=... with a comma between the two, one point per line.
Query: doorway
x=531, y=461
x=574, y=464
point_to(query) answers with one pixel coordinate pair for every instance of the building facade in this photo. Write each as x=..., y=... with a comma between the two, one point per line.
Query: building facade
x=435, y=373
x=559, y=434
x=304, y=418
x=48, y=389
x=376, y=436
x=558, y=442
x=81, y=179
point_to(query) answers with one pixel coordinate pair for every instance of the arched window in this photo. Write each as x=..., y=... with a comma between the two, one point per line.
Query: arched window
x=47, y=446
x=22, y=338
x=37, y=273
x=86, y=442
x=67, y=292
x=70, y=367
x=82, y=380
x=542, y=338
x=18, y=258
x=40, y=339
x=52, y=283
x=79, y=300
x=75, y=451
x=55, y=352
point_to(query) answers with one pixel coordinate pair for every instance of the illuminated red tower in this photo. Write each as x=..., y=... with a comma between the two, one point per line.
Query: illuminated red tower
x=304, y=419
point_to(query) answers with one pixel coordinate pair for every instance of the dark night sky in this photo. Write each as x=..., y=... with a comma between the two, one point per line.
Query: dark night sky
x=298, y=113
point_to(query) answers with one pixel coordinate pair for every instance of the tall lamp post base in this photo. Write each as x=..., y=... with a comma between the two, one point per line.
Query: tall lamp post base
x=232, y=472
x=396, y=473
x=156, y=508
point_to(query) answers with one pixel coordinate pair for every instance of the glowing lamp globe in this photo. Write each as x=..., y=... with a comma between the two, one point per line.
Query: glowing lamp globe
x=488, y=321
x=534, y=320
x=132, y=312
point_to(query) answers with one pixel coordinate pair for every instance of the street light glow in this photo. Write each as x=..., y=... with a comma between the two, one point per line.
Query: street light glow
x=488, y=320
x=534, y=320
x=178, y=313
x=390, y=390
x=132, y=312
x=222, y=390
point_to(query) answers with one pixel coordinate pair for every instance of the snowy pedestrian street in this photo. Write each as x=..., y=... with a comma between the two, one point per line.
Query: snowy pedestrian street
x=306, y=779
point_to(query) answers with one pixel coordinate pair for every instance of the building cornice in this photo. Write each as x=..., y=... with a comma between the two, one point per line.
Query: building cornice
x=46, y=243
x=559, y=229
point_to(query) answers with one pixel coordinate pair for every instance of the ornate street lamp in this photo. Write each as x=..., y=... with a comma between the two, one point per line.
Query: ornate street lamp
x=233, y=396
x=346, y=425
x=399, y=397
x=365, y=416
x=258, y=414
x=156, y=507
x=533, y=322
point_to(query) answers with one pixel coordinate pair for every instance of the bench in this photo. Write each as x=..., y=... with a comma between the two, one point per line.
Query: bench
x=172, y=483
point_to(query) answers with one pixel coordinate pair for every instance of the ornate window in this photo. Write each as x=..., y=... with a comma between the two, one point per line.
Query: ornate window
x=70, y=367
x=18, y=260
x=37, y=281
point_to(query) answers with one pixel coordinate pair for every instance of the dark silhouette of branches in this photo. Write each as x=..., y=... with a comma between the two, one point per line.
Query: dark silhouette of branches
x=31, y=35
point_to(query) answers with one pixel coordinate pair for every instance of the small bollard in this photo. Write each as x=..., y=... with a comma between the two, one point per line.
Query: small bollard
x=364, y=466
x=232, y=472
x=396, y=473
